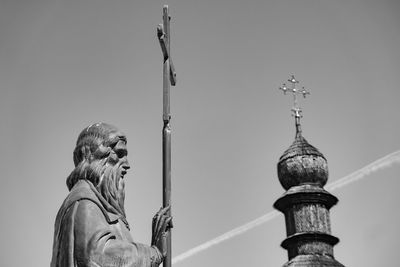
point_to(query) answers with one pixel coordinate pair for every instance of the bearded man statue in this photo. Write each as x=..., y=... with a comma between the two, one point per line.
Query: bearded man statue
x=91, y=227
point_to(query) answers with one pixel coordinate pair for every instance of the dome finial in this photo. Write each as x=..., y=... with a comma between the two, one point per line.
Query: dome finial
x=296, y=109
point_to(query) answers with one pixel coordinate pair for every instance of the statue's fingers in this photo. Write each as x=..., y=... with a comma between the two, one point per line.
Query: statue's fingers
x=156, y=218
x=166, y=223
x=155, y=222
x=159, y=221
x=157, y=230
x=169, y=223
x=158, y=227
x=157, y=215
x=165, y=210
x=161, y=225
x=160, y=211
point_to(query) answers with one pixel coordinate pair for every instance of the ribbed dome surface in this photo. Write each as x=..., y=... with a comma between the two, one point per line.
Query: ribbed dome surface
x=302, y=163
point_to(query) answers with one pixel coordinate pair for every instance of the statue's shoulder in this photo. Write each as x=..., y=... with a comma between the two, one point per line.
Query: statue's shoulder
x=82, y=192
x=79, y=192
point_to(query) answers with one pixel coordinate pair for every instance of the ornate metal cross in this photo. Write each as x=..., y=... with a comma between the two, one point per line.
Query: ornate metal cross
x=169, y=78
x=296, y=109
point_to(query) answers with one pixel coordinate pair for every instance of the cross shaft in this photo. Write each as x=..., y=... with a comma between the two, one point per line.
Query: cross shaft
x=169, y=78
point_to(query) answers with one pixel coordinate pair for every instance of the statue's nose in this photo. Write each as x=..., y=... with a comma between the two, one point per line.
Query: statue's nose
x=126, y=166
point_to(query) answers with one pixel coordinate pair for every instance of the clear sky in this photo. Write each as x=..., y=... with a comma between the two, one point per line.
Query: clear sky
x=65, y=64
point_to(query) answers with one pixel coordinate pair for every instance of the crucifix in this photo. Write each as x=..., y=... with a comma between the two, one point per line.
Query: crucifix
x=169, y=78
x=296, y=109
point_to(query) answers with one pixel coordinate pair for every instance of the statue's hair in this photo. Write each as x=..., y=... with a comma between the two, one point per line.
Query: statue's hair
x=92, y=149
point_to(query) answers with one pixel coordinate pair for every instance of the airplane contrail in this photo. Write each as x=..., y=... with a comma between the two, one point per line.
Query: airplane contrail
x=228, y=235
x=377, y=165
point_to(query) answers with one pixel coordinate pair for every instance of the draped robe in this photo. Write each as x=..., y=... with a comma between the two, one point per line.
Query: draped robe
x=90, y=233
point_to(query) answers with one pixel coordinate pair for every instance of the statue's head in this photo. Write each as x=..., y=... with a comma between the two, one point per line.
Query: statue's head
x=100, y=156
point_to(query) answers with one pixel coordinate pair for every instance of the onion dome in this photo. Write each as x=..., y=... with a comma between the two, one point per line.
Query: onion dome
x=301, y=164
x=303, y=172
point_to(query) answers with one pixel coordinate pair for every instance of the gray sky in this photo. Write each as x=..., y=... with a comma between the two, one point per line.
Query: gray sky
x=66, y=64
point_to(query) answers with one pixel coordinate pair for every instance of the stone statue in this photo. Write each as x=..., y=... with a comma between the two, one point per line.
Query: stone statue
x=91, y=228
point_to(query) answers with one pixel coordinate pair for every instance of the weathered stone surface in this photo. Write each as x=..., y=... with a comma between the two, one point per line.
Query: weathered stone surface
x=91, y=227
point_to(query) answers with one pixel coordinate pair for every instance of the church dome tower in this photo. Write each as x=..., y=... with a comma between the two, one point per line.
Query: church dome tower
x=303, y=172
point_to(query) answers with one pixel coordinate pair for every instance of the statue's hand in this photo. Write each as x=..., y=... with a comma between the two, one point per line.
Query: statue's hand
x=162, y=222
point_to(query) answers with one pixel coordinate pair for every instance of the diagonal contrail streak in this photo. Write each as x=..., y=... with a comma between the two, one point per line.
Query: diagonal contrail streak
x=228, y=235
x=377, y=165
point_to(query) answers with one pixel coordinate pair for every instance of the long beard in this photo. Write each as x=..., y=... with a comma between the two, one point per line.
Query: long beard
x=112, y=187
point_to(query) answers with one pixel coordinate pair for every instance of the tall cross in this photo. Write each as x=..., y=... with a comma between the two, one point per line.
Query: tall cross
x=169, y=78
x=296, y=109
x=163, y=34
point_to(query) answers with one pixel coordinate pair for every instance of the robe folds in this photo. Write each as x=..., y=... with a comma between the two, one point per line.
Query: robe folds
x=89, y=232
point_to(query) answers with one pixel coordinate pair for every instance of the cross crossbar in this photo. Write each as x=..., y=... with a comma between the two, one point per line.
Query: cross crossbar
x=163, y=38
